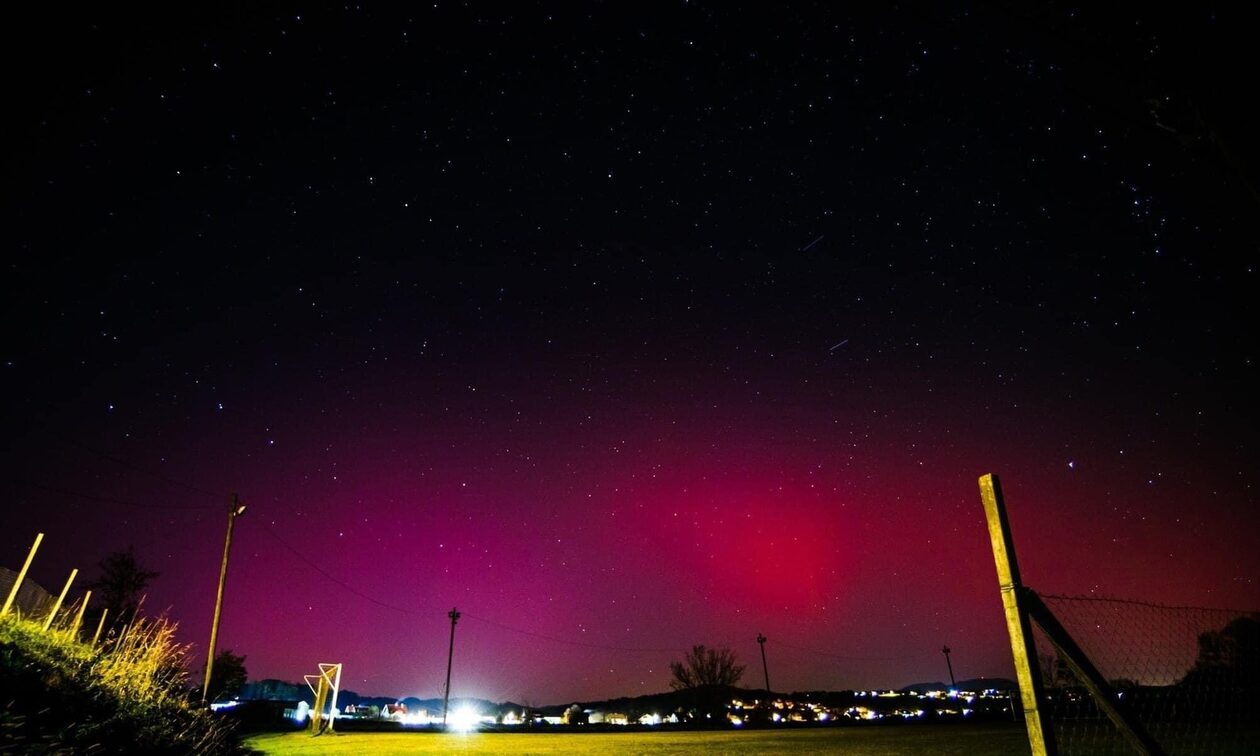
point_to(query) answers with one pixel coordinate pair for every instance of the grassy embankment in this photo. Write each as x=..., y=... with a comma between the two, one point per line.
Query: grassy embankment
x=128, y=696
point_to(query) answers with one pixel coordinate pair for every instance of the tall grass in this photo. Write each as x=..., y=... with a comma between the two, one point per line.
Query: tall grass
x=130, y=695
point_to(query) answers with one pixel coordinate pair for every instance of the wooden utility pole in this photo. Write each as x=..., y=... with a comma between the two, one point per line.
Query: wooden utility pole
x=761, y=641
x=235, y=509
x=945, y=651
x=1018, y=626
x=450, y=654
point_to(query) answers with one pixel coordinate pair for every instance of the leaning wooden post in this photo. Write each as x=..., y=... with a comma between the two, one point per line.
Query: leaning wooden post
x=13, y=592
x=78, y=617
x=1040, y=736
x=51, y=615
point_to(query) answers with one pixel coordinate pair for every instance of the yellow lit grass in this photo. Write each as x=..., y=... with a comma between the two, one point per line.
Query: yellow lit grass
x=133, y=684
x=144, y=664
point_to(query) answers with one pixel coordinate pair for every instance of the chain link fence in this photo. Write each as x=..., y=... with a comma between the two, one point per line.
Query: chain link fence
x=1189, y=675
x=31, y=599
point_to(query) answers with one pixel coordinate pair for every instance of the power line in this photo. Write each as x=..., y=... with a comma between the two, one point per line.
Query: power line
x=68, y=442
x=583, y=644
x=313, y=565
x=137, y=468
x=403, y=610
x=1144, y=604
x=109, y=499
x=309, y=562
x=842, y=657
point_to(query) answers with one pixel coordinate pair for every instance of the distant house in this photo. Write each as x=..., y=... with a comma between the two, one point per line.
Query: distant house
x=362, y=711
x=397, y=711
x=609, y=717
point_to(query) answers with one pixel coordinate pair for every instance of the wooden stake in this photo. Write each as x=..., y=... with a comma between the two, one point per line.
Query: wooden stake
x=100, y=626
x=51, y=615
x=78, y=617
x=13, y=592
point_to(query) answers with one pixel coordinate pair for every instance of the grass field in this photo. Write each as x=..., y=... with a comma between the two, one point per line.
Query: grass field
x=979, y=740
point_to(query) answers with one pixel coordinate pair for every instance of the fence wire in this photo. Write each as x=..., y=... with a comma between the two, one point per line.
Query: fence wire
x=1188, y=674
x=31, y=599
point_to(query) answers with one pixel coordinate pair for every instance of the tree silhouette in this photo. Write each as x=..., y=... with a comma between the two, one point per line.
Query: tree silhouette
x=229, y=674
x=121, y=584
x=703, y=666
x=1230, y=654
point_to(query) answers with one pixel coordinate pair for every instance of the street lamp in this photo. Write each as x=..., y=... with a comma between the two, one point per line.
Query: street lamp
x=235, y=509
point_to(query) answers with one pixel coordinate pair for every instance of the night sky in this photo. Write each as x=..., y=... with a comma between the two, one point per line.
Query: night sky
x=626, y=330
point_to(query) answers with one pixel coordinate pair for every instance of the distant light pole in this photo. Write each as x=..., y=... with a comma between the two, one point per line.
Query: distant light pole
x=945, y=651
x=235, y=509
x=450, y=653
x=761, y=641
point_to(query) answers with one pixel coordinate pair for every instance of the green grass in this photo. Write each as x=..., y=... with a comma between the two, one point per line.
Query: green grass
x=961, y=740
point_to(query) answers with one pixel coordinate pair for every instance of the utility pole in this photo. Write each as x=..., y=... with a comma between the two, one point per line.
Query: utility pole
x=235, y=509
x=945, y=651
x=761, y=641
x=450, y=653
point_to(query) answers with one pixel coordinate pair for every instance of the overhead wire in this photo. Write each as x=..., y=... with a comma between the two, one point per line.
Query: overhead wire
x=843, y=657
x=109, y=499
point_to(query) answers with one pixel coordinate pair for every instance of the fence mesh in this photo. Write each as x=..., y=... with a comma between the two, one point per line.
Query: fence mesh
x=31, y=599
x=1189, y=675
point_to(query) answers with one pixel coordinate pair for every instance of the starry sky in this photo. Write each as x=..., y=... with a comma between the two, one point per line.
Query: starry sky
x=625, y=329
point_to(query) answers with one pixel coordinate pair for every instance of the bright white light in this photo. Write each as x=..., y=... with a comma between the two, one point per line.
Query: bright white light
x=464, y=719
x=301, y=712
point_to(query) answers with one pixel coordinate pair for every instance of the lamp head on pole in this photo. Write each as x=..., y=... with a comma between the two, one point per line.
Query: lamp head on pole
x=235, y=507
